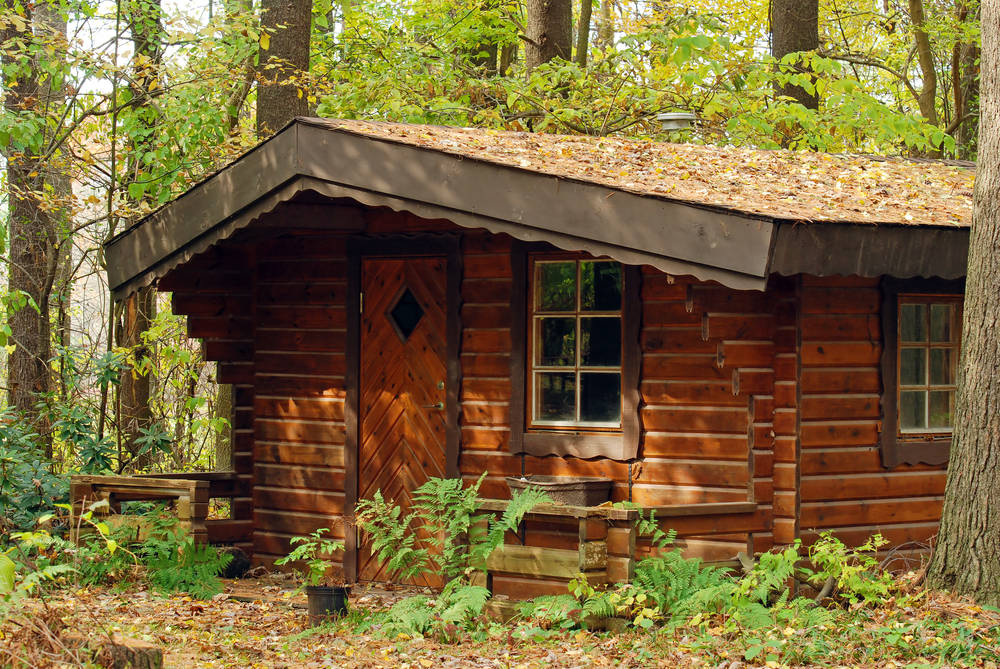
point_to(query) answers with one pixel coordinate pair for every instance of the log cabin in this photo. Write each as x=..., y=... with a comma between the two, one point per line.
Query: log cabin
x=758, y=345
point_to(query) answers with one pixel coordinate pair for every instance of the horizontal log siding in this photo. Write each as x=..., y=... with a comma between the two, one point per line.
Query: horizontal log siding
x=214, y=290
x=299, y=428
x=843, y=484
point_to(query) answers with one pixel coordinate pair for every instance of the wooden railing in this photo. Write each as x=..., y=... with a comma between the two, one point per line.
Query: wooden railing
x=190, y=494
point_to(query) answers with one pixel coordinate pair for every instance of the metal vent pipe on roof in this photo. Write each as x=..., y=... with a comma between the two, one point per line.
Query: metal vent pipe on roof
x=676, y=120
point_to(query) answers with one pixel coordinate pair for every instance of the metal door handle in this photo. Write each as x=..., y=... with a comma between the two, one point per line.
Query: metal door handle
x=436, y=405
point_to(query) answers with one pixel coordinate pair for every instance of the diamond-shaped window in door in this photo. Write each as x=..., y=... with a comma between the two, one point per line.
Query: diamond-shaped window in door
x=406, y=314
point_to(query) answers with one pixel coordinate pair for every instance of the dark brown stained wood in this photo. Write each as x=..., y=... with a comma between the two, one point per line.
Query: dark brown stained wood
x=834, y=299
x=298, y=476
x=310, y=408
x=492, y=292
x=488, y=365
x=696, y=419
x=871, y=486
x=822, y=327
x=841, y=380
x=313, y=501
x=332, y=317
x=485, y=389
x=299, y=454
x=840, y=407
x=311, y=293
x=837, y=354
x=682, y=367
x=838, y=514
x=737, y=326
x=210, y=304
x=815, y=434
x=484, y=316
x=401, y=415
x=699, y=445
x=319, y=341
x=228, y=350
x=688, y=393
x=486, y=341
x=297, y=271
x=686, y=339
x=221, y=327
x=310, y=432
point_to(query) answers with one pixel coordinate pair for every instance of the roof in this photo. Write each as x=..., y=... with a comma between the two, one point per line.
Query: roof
x=720, y=214
x=787, y=185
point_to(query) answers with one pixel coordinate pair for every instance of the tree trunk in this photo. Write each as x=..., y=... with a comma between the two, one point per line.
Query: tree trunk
x=31, y=246
x=146, y=20
x=605, y=26
x=928, y=75
x=583, y=32
x=966, y=558
x=795, y=28
x=549, y=31
x=224, y=439
x=965, y=84
x=279, y=97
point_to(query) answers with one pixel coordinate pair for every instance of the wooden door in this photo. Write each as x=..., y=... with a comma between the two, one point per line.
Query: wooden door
x=403, y=373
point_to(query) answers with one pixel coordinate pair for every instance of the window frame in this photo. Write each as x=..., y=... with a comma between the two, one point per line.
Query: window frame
x=933, y=446
x=621, y=443
x=534, y=368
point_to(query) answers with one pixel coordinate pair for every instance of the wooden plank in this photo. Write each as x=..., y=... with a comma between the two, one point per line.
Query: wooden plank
x=621, y=569
x=606, y=512
x=544, y=562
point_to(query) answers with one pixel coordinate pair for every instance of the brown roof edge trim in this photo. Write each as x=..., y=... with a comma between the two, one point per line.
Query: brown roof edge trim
x=566, y=242
x=844, y=249
x=198, y=211
x=122, y=286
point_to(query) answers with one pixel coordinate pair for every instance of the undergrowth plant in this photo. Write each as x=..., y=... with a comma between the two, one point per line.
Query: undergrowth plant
x=316, y=552
x=454, y=542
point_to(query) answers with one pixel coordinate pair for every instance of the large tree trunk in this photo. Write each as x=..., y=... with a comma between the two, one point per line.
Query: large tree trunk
x=928, y=75
x=795, y=28
x=966, y=558
x=146, y=20
x=549, y=31
x=31, y=246
x=279, y=99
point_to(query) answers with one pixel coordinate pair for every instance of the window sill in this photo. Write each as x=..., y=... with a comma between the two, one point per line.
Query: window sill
x=576, y=444
x=925, y=452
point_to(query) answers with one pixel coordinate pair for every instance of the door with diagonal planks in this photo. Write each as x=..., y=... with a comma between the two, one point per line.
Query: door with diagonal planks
x=403, y=372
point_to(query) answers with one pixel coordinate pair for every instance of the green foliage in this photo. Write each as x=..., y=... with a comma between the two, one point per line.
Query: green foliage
x=317, y=552
x=455, y=538
x=28, y=488
x=855, y=571
x=444, y=617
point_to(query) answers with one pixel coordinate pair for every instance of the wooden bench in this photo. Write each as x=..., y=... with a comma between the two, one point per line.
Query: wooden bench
x=190, y=494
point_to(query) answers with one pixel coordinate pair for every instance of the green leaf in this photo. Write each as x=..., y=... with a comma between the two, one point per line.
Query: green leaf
x=7, y=568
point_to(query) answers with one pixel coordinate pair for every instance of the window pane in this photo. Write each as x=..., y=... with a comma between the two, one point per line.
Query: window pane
x=941, y=322
x=942, y=408
x=600, y=286
x=913, y=322
x=556, y=286
x=556, y=397
x=913, y=366
x=556, y=344
x=600, y=397
x=942, y=366
x=600, y=342
x=912, y=409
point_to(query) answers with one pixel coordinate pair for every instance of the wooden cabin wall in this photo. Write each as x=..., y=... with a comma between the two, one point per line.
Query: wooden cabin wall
x=843, y=485
x=766, y=397
x=214, y=292
x=299, y=430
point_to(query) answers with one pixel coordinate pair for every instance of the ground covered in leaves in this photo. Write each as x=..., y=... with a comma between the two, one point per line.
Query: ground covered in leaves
x=262, y=623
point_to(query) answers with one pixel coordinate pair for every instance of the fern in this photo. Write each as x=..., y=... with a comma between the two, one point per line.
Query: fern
x=187, y=567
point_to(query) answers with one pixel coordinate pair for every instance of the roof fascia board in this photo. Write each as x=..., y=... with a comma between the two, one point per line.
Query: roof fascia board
x=547, y=204
x=870, y=250
x=173, y=227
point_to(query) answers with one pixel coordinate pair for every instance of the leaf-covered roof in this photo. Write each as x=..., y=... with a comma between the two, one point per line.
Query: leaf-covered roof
x=785, y=185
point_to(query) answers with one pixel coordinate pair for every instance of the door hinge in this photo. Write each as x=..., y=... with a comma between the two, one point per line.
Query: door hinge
x=361, y=303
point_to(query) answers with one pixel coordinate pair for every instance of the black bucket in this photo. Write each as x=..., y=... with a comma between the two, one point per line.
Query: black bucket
x=326, y=602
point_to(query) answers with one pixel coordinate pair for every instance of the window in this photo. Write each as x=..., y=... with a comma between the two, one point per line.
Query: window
x=576, y=343
x=928, y=336
x=921, y=325
x=575, y=354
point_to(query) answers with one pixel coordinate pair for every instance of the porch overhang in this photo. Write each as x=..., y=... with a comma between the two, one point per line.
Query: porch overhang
x=708, y=242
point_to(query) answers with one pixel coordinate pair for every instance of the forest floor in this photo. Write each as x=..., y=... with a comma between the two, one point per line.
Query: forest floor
x=262, y=623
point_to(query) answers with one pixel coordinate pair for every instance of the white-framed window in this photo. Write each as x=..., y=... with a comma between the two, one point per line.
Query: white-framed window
x=575, y=343
x=928, y=346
